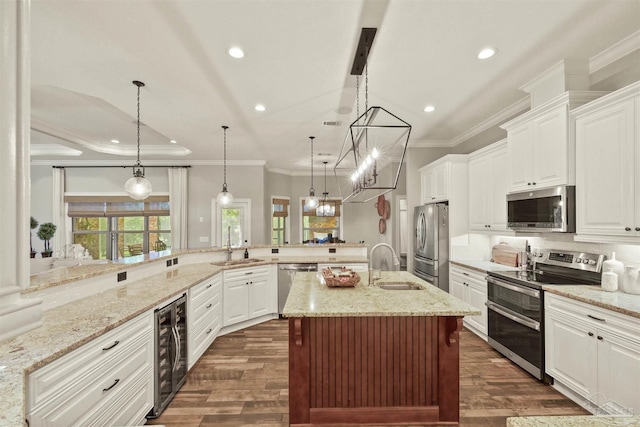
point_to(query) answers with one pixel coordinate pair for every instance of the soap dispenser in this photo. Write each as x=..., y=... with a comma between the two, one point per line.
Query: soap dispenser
x=246, y=250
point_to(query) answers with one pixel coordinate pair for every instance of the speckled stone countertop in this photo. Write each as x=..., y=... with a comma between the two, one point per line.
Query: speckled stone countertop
x=574, y=421
x=64, y=275
x=309, y=297
x=70, y=326
x=616, y=301
x=482, y=266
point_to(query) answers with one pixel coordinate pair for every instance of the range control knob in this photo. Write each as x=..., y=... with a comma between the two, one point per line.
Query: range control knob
x=578, y=260
x=585, y=261
x=592, y=262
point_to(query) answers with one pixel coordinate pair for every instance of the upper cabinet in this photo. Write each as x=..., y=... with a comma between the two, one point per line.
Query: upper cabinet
x=608, y=167
x=488, y=169
x=441, y=179
x=541, y=146
x=447, y=179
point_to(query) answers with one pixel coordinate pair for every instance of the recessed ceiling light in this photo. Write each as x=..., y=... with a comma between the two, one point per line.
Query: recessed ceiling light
x=429, y=109
x=487, y=52
x=235, y=52
x=115, y=141
x=260, y=107
x=173, y=141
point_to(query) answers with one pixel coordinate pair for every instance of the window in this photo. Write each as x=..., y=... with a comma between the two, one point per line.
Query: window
x=321, y=225
x=232, y=221
x=114, y=227
x=279, y=220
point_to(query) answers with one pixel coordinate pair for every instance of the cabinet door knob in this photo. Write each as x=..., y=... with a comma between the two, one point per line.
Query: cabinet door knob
x=600, y=338
x=590, y=334
x=627, y=229
x=534, y=183
x=528, y=183
x=637, y=228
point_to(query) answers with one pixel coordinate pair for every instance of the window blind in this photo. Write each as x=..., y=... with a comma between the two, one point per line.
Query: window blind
x=94, y=206
x=280, y=208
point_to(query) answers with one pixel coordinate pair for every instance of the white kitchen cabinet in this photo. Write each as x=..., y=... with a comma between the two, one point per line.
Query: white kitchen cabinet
x=608, y=167
x=204, y=309
x=108, y=381
x=541, y=145
x=471, y=287
x=440, y=179
x=488, y=169
x=593, y=354
x=247, y=294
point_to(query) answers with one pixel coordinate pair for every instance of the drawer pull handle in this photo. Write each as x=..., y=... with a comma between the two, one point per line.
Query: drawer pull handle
x=248, y=272
x=209, y=285
x=209, y=305
x=627, y=229
x=595, y=318
x=466, y=274
x=111, y=346
x=209, y=331
x=112, y=385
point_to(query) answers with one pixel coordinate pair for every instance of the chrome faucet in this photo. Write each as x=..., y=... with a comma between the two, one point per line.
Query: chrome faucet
x=396, y=261
x=229, y=250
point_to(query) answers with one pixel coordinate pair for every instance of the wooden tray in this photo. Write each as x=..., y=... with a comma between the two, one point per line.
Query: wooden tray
x=334, y=281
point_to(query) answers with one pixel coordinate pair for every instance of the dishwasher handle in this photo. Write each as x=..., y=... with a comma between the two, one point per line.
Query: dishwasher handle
x=298, y=267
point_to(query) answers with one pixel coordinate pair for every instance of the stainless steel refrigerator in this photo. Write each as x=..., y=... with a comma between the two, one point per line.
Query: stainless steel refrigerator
x=431, y=244
x=171, y=353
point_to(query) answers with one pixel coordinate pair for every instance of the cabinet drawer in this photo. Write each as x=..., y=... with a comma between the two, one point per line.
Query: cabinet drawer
x=81, y=399
x=605, y=319
x=242, y=273
x=204, y=291
x=206, y=312
x=64, y=375
x=469, y=275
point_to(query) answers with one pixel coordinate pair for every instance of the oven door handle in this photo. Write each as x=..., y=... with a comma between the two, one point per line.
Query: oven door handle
x=520, y=289
x=524, y=321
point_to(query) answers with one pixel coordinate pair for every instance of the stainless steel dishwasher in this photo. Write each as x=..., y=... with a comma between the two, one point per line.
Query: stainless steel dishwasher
x=286, y=272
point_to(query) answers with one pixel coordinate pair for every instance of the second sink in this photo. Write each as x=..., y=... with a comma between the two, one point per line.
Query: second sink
x=400, y=286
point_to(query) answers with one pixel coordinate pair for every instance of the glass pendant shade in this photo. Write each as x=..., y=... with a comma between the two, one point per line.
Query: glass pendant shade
x=312, y=201
x=224, y=197
x=138, y=187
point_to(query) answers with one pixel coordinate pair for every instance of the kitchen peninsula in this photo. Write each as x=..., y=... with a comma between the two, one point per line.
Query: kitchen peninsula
x=368, y=355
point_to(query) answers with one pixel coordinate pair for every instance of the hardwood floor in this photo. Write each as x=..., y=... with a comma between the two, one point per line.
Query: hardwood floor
x=242, y=380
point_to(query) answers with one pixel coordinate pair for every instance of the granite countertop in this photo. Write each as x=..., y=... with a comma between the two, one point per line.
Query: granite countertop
x=309, y=297
x=574, y=421
x=616, y=301
x=66, y=328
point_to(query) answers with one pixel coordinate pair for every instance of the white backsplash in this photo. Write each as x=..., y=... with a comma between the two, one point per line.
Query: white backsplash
x=480, y=246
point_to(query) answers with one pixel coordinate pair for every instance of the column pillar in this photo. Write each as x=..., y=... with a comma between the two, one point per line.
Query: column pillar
x=17, y=314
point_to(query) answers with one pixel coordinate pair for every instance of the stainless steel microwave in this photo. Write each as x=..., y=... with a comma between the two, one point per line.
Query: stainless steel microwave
x=547, y=210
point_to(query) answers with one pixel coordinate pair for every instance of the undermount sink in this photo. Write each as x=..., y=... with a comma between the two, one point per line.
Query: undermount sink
x=237, y=262
x=400, y=286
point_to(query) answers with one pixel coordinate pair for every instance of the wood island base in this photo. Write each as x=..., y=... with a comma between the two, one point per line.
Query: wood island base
x=374, y=370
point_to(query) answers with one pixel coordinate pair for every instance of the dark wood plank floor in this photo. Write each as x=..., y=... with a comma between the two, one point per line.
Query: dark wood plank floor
x=242, y=380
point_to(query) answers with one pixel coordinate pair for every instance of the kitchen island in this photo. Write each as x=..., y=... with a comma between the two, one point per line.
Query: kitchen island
x=368, y=355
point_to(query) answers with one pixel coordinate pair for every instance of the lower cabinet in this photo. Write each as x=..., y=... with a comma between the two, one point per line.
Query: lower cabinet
x=248, y=294
x=204, y=307
x=471, y=287
x=593, y=354
x=108, y=381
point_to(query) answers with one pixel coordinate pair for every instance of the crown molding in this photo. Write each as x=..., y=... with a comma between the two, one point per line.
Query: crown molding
x=430, y=143
x=171, y=162
x=614, y=52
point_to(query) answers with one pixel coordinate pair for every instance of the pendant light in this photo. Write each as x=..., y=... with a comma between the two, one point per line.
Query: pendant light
x=326, y=208
x=224, y=197
x=312, y=201
x=138, y=187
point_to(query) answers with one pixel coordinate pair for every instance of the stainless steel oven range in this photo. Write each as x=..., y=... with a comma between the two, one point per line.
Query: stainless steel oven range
x=516, y=304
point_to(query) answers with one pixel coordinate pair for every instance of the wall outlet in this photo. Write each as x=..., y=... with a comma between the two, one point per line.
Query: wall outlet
x=122, y=276
x=332, y=250
x=175, y=261
x=204, y=239
x=275, y=250
x=169, y=264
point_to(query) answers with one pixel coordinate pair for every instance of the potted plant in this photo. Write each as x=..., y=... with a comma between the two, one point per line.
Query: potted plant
x=34, y=224
x=46, y=232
